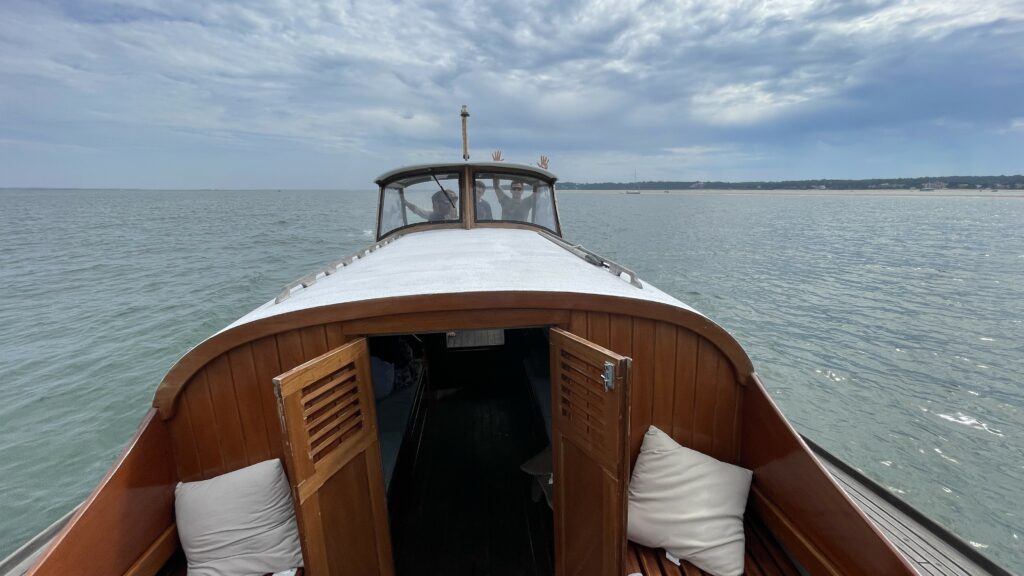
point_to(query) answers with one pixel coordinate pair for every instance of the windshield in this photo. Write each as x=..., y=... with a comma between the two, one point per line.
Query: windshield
x=511, y=198
x=419, y=199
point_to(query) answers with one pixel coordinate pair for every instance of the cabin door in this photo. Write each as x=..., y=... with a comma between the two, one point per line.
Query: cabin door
x=590, y=389
x=332, y=455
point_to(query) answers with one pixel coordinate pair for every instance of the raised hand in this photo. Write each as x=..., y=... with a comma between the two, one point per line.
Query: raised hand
x=496, y=156
x=543, y=164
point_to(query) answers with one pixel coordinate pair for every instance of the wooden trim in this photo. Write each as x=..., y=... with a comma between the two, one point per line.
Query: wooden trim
x=154, y=558
x=128, y=511
x=790, y=535
x=170, y=388
x=801, y=502
x=471, y=319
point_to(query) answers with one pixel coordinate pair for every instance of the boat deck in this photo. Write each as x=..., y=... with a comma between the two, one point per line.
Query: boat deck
x=930, y=548
x=764, y=557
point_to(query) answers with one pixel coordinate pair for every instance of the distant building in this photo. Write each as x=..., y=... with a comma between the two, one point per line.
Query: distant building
x=697, y=185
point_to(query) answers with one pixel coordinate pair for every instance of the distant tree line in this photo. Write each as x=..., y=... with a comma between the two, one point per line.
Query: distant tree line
x=966, y=182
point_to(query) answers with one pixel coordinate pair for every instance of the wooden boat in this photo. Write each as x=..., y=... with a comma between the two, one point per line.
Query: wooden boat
x=499, y=310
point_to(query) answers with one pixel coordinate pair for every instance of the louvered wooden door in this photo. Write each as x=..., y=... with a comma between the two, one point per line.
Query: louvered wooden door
x=332, y=455
x=590, y=389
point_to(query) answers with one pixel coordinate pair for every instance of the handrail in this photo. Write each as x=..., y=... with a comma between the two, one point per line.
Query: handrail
x=597, y=260
x=311, y=278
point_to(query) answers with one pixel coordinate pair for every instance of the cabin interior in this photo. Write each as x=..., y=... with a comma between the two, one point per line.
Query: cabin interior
x=459, y=414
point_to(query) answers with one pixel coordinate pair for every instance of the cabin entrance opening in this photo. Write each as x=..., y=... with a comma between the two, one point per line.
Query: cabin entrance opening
x=464, y=424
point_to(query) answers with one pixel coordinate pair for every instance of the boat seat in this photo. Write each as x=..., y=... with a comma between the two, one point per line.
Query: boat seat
x=764, y=557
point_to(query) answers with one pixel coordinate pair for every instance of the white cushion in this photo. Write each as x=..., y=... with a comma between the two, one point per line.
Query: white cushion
x=241, y=522
x=689, y=504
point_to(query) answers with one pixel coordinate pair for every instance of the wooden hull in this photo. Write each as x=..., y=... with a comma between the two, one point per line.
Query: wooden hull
x=690, y=378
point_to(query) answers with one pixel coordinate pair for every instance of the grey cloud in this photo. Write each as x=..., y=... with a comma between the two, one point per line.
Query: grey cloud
x=593, y=80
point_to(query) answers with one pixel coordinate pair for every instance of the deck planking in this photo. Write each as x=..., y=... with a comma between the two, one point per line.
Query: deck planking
x=931, y=549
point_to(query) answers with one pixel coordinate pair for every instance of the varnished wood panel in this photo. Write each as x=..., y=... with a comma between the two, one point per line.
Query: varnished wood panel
x=665, y=391
x=587, y=429
x=124, y=516
x=705, y=398
x=314, y=341
x=685, y=396
x=800, y=502
x=454, y=320
x=289, y=349
x=183, y=445
x=642, y=397
x=725, y=426
x=699, y=407
x=153, y=559
x=230, y=437
x=598, y=328
x=664, y=381
x=573, y=305
x=333, y=461
x=250, y=404
x=335, y=335
x=204, y=426
x=267, y=365
x=578, y=322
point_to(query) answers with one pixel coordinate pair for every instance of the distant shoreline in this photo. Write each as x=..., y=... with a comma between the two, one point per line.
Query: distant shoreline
x=922, y=183
x=892, y=193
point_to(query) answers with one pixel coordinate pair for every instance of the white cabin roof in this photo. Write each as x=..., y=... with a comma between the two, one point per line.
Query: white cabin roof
x=451, y=261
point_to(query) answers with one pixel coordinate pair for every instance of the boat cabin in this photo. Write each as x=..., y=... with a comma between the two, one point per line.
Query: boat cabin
x=468, y=395
x=466, y=196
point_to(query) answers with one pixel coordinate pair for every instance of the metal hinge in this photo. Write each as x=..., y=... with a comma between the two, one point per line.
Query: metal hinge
x=608, y=376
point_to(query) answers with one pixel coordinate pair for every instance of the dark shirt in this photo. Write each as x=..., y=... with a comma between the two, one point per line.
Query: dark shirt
x=512, y=209
x=483, y=210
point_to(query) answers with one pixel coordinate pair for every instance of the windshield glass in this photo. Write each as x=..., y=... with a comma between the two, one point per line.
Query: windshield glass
x=419, y=199
x=509, y=198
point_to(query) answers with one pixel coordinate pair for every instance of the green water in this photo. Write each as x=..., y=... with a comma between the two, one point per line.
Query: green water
x=890, y=329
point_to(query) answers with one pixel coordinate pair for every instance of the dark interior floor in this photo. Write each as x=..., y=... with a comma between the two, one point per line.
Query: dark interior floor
x=464, y=506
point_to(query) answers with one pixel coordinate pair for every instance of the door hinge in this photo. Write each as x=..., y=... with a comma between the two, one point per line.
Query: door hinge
x=608, y=376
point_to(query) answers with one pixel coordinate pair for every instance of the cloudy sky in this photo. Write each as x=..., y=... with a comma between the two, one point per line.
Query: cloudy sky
x=297, y=94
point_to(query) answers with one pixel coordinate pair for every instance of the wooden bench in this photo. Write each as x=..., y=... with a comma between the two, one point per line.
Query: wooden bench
x=764, y=557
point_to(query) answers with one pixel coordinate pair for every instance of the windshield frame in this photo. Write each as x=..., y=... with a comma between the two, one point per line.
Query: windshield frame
x=467, y=200
x=460, y=222
x=512, y=171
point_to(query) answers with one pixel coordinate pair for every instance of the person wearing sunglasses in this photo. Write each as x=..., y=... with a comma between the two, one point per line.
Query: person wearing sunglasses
x=514, y=206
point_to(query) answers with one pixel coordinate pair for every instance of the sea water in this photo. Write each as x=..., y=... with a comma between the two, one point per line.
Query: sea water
x=888, y=328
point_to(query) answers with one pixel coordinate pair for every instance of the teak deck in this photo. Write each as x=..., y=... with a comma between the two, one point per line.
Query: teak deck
x=930, y=548
x=764, y=557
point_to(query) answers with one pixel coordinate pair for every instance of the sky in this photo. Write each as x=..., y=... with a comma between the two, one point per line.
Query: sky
x=306, y=94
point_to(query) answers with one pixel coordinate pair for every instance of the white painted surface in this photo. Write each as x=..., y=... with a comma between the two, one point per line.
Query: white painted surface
x=455, y=261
